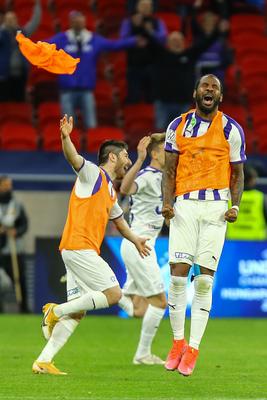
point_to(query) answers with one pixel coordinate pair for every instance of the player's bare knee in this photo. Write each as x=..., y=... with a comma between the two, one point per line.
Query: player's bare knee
x=159, y=300
x=139, y=312
x=113, y=295
x=180, y=269
x=163, y=304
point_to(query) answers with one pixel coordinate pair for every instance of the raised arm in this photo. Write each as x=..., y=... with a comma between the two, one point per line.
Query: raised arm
x=125, y=231
x=69, y=150
x=236, y=189
x=34, y=22
x=128, y=186
x=168, y=183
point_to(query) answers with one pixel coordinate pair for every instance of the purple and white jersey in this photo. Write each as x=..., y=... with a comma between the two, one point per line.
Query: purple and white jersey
x=146, y=204
x=89, y=181
x=196, y=126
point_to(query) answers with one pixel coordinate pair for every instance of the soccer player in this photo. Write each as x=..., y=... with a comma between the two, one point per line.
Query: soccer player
x=91, y=283
x=143, y=274
x=205, y=152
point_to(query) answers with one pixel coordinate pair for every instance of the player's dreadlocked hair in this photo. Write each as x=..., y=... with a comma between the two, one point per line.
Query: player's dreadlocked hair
x=110, y=146
x=156, y=140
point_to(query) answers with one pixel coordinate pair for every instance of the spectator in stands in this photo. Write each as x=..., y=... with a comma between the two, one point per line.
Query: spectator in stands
x=140, y=60
x=174, y=75
x=219, y=55
x=14, y=223
x=76, y=90
x=131, y=5
x=13, y=66
x=252, y=216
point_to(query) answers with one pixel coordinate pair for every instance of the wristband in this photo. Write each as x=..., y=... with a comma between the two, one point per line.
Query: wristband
x=236, y=208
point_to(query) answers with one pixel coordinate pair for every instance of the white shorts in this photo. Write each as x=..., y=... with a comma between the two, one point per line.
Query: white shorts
x=86, y=272
x=143, y=274
x=197, y=232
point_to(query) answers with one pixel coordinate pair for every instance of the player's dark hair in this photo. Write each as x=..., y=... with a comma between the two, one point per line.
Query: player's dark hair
x=110, y=146
x=156, y=139
x=214, y=76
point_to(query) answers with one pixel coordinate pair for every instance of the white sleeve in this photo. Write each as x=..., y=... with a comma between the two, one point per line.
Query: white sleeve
x=236, y=142
x=170, y=141
x=116, y=211
x=88, y=173
x=88, y=179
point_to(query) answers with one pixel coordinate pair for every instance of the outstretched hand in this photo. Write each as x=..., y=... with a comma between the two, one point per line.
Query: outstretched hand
x=66, y=126
x=142, y=247
x=142, y=147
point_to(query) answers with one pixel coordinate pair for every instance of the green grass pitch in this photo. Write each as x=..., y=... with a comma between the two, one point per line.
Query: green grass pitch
x=232, y=362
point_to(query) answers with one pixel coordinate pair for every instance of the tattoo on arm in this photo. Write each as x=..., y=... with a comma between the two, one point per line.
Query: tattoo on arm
x=169, y=177
x=236, y=183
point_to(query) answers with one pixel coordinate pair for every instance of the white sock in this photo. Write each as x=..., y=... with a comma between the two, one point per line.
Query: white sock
x=61, y=333
x=177, y=305
x=127, y=305
x=200, y=310
x=151, y=321
x=89, y=301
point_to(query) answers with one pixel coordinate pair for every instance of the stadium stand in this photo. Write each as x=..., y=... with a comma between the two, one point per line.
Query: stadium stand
x=16, y=112
x=18, y=136
x=50, y=137
x=95, y=136
x=245, y=80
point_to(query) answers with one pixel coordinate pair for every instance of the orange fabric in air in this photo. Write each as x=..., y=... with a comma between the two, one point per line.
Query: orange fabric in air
x=46, y=56
x=204, y=161
x=87, y=219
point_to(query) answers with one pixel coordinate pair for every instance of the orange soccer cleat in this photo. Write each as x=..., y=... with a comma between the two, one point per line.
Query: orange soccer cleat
x=188, y=361
x=46, y=368
x=175, y=354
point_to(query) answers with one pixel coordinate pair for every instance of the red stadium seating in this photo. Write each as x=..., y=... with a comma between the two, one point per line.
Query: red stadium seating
x=236, y=111
x=16, y=112
x=48, y=112
x=259, y=113
x=24, y=9
x=105, y=93
x=248, y=45
x=51, y=137
x=246, y=23
x=139, y=121
x=18, y=136
x=42, y=86
x=172, y=21
x=118, y=65
x=45, y=30
x=95, y=136
x=111, y=15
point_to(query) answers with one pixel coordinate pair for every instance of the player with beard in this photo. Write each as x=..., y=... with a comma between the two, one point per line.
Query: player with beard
x=91, y=283
x=205, y=152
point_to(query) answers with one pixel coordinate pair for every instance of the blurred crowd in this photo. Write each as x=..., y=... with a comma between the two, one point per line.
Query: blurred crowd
x=162, y=63
x=141, y=57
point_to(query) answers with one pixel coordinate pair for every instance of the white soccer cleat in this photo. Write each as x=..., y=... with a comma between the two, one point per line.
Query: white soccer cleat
x=150, y=359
